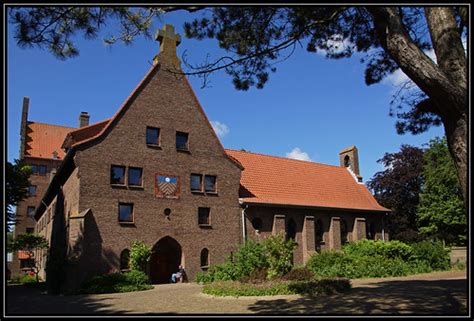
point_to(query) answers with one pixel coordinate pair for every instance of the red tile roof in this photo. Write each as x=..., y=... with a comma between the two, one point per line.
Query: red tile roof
x=23, y=255
x=276, y=180
x=43, y=139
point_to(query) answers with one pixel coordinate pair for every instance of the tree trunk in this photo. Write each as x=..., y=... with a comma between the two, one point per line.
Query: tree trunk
x=456, y=135
x=444, y=83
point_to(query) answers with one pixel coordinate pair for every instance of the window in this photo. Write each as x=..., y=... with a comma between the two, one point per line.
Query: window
x=343, y=232
x=203, y=216
x=34, y=169
x=32, y=190
x=42, y=169
x=30, y=211
x=125, y=260
x=153, y=136
x=204, y=258
x=291, y=230
x=182, y=141
x=29, y=230
x=27, y=263
x=117, y=175
x=347, y=161
x=210, y=183
x=135, y=176
x=370, y=231
x=319, y=231
x=196, y=183
x=257, y=223
x=125, y=213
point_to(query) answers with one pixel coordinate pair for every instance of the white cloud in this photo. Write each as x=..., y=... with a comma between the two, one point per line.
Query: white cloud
x=297, y=153
x=220, y=128
x=336, y=45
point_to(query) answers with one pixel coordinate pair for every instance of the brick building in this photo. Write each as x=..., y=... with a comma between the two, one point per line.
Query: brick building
x=157, y=172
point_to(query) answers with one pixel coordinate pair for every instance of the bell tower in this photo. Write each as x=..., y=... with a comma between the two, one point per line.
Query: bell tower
x=349, y=157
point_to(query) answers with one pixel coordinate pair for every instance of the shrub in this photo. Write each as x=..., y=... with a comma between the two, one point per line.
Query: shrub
x=117, y=282
x=256, y=276
x=224, y=272
x=250, y=256
x=330, y=264
x=386, y=249
x=433, y=252
x=299, y=274
x=273, y=255
x=313, y=287
x=139, y=256
x=322, y=286
x=279, y=254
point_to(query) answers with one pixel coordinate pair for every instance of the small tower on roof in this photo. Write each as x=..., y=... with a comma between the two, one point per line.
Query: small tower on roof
x=349, y=158
x=169, y=40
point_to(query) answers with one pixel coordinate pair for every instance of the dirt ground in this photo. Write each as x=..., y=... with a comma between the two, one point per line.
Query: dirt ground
x=440, y=293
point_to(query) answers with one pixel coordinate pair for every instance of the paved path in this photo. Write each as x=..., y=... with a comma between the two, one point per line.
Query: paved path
x=441, y=293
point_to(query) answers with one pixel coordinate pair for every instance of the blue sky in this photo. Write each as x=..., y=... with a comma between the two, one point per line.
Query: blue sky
x=312, y=107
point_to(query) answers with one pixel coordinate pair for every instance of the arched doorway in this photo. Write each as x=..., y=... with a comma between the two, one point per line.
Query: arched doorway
x=165, y=260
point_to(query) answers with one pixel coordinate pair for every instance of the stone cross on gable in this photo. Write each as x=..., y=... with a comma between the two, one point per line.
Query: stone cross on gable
x=168, y=43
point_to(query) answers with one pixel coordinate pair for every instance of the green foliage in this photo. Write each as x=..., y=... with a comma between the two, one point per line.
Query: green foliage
x=273, y=255
x=26, y=278
x=140, y=255
x=441, y=212
x=432, y=252
x=279, y=254
x=251, y=255
x=117, y=282
x=29, y=242
x=299, y=274
x=225, y=271
x=53, y=28
x=256, y=276
x=278, y=287
x=16, y=188
x=386, y=249
x=372, y=259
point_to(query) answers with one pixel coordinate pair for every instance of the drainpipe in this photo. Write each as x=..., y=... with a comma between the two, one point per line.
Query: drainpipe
x=243, y=223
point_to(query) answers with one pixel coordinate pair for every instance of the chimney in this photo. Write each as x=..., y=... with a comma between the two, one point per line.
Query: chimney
x=349, y=157
x=24, y=125
x=84, y=119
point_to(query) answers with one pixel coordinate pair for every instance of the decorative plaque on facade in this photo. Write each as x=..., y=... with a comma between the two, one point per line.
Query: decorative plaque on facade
x=166, y=186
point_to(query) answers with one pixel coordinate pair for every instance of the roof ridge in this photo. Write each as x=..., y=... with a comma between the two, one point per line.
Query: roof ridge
x=91, y=125
x=37, y=122
x=281, y=157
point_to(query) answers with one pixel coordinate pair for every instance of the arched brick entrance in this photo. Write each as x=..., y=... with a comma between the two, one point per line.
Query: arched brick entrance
x=165, y=260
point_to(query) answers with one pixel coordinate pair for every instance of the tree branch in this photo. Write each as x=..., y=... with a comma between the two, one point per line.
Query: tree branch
x=424, y=73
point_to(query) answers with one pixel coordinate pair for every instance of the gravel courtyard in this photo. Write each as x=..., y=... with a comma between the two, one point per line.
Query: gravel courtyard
x=441, y=293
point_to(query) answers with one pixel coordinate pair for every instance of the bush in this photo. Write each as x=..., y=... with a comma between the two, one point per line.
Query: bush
x=433, y=252
x=386, y=249
x=27, y=278
x=279, y=254
x=330, y=264
x=256, y=276
x=221, y=272
x=117, y=282
x=139, y=256
x=250, y=256
x=273, y=255
x=236, y=289
x=299, y=274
